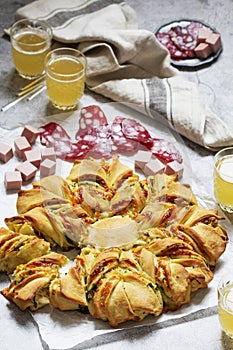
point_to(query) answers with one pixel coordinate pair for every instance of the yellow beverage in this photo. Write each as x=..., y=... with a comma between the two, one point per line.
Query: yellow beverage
x=28, y=51
x=65, y=80
x=225, y=309
x=223, y=181
x=30, y=42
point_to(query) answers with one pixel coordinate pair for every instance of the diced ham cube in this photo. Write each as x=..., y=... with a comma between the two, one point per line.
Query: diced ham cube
x=34, y=156
x=6, y=152
x=153, y=167
x=48, y=153
x=21, y=145
x=203, y=34
x=214, y=42
x=141, y=159
x=173, y=168
x=202, y=50
x=13, y=180
x=27, y=170
x=47, y=168
x=30, y=133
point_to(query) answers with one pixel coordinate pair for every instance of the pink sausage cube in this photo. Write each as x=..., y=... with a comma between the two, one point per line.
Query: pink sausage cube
x=47, y=167
x=30, y=133
x=141, y=158
x=174, y=168
x=21, y=145
x=203, y=34
x=6, y=152
x=48, y=153
x=153, y=167
x=13, y=180
x=27, y=170
x=202, y=50
x=214, y=42
x=34, y=156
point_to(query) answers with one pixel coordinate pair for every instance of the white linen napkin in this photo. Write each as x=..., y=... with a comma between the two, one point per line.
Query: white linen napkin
x=129, y=65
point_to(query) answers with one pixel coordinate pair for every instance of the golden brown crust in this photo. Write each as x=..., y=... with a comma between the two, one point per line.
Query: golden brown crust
x=88, y=170
x=208, y=239
x=122, y=283
x=16, y=249
x=55, y=184
x=68, y=291
x=117, y=172
x=165, y=245
x=98, y=304
x=29, y=199
x=30, y=286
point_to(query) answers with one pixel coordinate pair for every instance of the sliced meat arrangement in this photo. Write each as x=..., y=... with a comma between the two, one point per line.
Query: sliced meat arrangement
x=99, y=139
x=181, y=40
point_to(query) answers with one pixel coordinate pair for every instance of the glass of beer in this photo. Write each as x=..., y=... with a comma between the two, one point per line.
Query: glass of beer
x=30, y=41
x=225, y=304
x=223, y=179
x=65, y=77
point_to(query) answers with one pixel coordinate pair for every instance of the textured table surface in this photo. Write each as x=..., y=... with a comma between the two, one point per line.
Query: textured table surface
x=200, y=331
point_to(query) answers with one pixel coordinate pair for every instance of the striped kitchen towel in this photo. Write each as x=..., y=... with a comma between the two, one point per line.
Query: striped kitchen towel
x=129, y=65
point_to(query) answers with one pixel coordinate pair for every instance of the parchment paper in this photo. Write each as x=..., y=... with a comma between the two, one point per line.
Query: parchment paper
x=64, y=330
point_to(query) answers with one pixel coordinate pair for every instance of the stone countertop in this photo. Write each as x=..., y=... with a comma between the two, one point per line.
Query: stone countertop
x=201, y=331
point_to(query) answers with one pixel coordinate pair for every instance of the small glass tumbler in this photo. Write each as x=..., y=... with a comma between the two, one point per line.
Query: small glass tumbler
x=225, y=304
x=65, y=77
x=223, y=179
x=30, y=42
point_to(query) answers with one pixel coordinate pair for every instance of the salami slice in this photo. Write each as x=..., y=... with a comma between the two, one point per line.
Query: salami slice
x=88, y=136
x=177, y=54
x=91, y=117
x=165, y=151
x=122, y=143
x=184, y=40
x=134, y=130
x=180, y=40
x=104, y=145
x=166, y=40
x=52, y=132
x=99, y=141
x=193, y=27
x=54, y=135
x=102, y=149
x=79, y=150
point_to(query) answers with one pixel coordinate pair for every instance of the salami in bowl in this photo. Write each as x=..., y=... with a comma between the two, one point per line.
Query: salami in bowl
x=190, y=43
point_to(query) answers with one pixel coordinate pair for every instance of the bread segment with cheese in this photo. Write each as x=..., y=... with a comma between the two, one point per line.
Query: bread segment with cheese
x=143, y=245
x=118, y=291
x=16, y=249
x=30, y=286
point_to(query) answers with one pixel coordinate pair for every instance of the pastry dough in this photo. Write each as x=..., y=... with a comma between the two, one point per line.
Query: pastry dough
x=143, y=245
x=16, y=248
x=119, y=290
x=30, y=286
x=68, y=291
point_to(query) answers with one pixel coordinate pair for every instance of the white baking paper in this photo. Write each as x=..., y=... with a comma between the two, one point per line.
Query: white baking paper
x=64, y=330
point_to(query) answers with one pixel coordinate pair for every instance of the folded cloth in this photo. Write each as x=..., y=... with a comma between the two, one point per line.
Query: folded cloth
x=129, y=65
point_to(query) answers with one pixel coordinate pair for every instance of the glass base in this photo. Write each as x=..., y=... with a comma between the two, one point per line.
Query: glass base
x=65, y=108
x=226, y=208
x=227, y=334
x=30, y=77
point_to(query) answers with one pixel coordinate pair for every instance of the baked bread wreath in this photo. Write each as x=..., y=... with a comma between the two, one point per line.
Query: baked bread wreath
x=143, y=246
